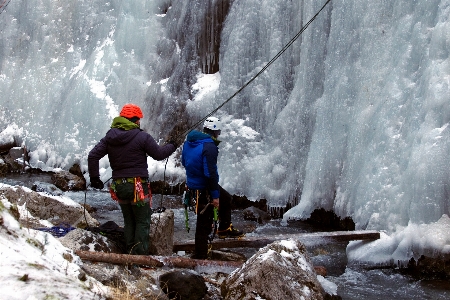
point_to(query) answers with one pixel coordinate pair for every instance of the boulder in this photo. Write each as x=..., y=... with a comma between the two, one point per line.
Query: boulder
x=6, y=144
x=4, y=168
x=48, y=188
x=80, y=239
x=429, y=267
x=38, y=206
x=183, y=285
x=161, y=233
x=67, y=181
x=255, y=214
x=281, y=270
x=16, y=160
x=76, y=170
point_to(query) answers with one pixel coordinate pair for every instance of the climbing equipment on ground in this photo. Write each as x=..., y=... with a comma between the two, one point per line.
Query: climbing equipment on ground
x=58, y=231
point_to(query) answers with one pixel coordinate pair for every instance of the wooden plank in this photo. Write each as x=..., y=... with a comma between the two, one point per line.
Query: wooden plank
x=261, y=241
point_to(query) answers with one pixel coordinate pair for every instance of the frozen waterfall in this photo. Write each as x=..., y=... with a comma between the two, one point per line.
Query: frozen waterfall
x=353, y=118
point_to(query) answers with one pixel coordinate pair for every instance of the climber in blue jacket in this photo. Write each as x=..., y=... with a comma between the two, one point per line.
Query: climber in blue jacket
x=199, y=157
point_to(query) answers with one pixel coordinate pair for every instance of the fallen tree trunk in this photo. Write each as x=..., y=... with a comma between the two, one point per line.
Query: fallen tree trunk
x=155, y=261
x=167, y=261
x=259, y=241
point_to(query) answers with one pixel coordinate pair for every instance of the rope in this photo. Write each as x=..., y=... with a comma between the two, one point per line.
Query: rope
x=3, y=6
x=261, y=71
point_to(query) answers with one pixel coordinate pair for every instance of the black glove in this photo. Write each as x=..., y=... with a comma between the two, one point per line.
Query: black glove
x=176, y=136
x=96, y=183
x=173, y=143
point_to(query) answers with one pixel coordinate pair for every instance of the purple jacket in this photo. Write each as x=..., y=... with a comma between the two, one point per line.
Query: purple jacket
x=127, y=151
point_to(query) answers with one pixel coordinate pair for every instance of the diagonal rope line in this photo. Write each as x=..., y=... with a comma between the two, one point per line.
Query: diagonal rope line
x=3, y=6
x=262, y=70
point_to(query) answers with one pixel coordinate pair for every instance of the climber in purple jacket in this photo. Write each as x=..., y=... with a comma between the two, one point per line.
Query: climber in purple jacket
x=127, y=147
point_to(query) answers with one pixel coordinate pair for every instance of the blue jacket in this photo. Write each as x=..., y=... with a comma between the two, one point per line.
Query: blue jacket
x=199, y=158
x=127, y=147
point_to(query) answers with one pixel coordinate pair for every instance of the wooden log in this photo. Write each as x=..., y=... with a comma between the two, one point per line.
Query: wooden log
x=261, y=241
x=155, y=261
x=166, y=261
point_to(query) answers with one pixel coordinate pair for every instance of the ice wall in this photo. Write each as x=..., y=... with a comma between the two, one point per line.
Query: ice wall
x=352, y=118
x=380, y=143
x=66, y=67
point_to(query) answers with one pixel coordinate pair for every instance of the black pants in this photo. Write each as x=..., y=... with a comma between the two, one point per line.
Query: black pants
x=205, y=220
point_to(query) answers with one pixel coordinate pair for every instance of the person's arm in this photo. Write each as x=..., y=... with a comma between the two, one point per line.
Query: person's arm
x=155, y=151
x=94, y=157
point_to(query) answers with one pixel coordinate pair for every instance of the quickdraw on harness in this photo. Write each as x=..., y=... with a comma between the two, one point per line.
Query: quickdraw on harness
x=190, y=203
x=216, y=224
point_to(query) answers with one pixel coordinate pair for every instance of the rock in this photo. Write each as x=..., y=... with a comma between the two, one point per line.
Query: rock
x=281, y=270
x=185, y=285
x=16, y=153
x=147, y=289
x=4, y=168
x=76, y=170
x=429, y=267
x=67, y=181
x=256, y=214
x=15, y=160
x=80, y=239
x=6, y=144
x=48, y=188
x=161, y=233
x=320, y=270
x=227, y=256
x=41, y=207
x=110, y=275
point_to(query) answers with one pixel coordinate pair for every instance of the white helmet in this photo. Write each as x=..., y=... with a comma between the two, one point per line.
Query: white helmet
x=212, y=123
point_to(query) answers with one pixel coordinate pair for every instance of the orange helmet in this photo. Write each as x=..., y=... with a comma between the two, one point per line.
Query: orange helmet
x=131, y=110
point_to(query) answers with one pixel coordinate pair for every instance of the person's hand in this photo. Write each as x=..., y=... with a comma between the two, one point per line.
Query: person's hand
x=96, y=183
x=176, y=136
x=215, y=202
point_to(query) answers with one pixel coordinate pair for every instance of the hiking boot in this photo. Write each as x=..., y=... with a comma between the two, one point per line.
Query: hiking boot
x=230, y=232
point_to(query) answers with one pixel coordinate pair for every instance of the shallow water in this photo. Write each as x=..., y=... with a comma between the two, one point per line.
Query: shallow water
x=354, y=282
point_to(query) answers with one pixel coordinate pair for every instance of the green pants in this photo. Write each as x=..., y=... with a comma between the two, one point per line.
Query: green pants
x=137, y=228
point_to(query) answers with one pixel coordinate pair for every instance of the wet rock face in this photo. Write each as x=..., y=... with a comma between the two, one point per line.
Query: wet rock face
x=281, y=270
